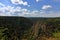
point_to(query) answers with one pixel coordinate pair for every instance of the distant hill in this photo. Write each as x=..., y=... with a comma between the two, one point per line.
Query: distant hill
x=34, y=19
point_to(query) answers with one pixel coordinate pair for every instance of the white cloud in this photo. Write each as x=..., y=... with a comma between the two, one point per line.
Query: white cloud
x=46, y=6
x=2, y=4
x=12, y=11
x=18, y=11
x=38, y=0
x=51, y=14
x=16, y=2
x=44, y=14
x=28, y=5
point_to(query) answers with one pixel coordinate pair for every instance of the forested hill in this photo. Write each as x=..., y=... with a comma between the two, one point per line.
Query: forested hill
x=34, y=19
x=27, y=28
x=11, y=21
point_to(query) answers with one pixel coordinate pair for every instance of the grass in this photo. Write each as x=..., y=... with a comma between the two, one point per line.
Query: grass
x=1, y=33
x=57, y=35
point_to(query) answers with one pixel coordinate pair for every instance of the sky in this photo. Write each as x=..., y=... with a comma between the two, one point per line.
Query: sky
x=30, y=8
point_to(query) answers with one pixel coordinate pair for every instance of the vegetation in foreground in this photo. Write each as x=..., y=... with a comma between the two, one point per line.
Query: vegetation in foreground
x=42, y=29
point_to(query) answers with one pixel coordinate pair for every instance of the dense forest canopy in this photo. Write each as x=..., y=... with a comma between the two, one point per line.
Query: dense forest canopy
x=18, y=24
x=24, y=27
x=15, y=22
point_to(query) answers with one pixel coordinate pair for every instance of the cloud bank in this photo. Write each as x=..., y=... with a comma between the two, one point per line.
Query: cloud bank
x=38, y=0
x=18, y=11
x=46, y=7
x=21, y=2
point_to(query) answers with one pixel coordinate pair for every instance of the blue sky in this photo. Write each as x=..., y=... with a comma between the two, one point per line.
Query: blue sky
x=30, y=8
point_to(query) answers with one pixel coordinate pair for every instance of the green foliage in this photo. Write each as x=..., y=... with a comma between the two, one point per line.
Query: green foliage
x=2, y=29
x=16, y=26
x=56, y=35
x=22, y=26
